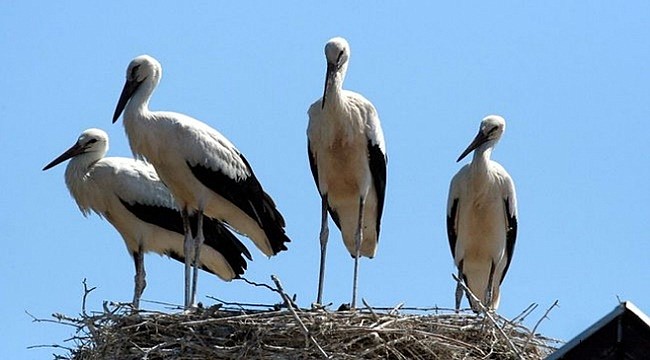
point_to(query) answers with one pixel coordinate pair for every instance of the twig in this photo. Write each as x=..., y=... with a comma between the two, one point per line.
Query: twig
x=240, y=305
x=489, y=316
x=524, y=314
x=412, y=308
x=396, y=309
x=163, y=303
x=149, y=350
x=258, y=284
x=545, y=316
x=304, y=329
x=85, y=318
x=53, y=346
x=277, y=306
x=374, y=315
x=86, y=292
x=59, y=319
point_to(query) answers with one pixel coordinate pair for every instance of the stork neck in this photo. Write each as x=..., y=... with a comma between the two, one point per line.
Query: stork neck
x=77, y=169
x=334, y=94
x=139, y=102
x=334, y=91
x=482, y=155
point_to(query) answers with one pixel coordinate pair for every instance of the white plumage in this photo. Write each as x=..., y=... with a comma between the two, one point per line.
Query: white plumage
x=482, y=217
x=347, y=155
x=129, y=194
x=203, y=170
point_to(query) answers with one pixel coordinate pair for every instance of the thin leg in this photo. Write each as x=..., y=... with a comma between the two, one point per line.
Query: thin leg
x=357, y=249
x=459, y=289
x=140, y=275
x=187, y=251
x=198, y=241
x=324, y=235
x=488, y=291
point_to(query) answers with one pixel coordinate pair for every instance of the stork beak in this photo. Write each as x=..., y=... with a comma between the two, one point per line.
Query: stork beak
x=75, y=150
x=479, y=140
x=129, y=88
x=329, y=78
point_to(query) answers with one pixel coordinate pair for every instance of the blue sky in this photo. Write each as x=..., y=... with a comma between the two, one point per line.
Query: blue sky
x=570, y=78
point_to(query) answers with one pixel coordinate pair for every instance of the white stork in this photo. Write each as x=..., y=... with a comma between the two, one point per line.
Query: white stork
x=202, y=169
x=347, y=156
x=129, y=194
x=482, y=218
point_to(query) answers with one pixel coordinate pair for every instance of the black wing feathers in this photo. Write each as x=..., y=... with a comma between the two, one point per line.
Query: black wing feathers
x=451, y=227
x=247, y=194
x=511, y=236
x=377, y=165
x=161, y=216
x=312, y=164
x=217, y=236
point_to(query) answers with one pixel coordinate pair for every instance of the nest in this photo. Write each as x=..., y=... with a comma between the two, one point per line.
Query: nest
x=250, y=331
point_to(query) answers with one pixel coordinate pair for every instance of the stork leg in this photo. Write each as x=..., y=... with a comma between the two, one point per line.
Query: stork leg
x=198, y=241
x=459, y=289
x=324, y=235
x=357, y=249
x=187, y=251
x=488, y=291
x=140, y=275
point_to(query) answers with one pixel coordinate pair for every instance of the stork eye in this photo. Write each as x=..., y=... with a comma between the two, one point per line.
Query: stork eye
x=134, y=71
x=92, y=141
x=338, y=60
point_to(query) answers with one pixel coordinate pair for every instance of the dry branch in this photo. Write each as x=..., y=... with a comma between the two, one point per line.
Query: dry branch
x=488, y=315
x=545, y=316
x=304, y=329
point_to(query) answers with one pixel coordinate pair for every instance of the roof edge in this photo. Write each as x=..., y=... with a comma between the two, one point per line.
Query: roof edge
x=618, y=310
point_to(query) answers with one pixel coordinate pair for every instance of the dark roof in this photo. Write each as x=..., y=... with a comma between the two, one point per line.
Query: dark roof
x=622, y=334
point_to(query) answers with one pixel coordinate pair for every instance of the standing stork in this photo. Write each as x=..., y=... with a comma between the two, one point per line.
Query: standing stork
x=129, y=194
x=482, y=218
x=347, y=156
x=202, y=169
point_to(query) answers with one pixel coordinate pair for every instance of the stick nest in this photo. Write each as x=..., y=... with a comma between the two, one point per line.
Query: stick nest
x=234, y=331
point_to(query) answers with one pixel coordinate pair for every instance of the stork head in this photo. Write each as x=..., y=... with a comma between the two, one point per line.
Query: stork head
x=144, y=69
x=91, y=141
x=490, y=131
x=337, y=54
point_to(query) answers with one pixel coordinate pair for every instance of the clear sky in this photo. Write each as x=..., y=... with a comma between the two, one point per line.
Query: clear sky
x=570, y=78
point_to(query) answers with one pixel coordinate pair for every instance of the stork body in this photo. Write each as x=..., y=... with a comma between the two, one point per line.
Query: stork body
x=482, y=218
x=347, y=156
x=129, y=194
x=203, y=170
